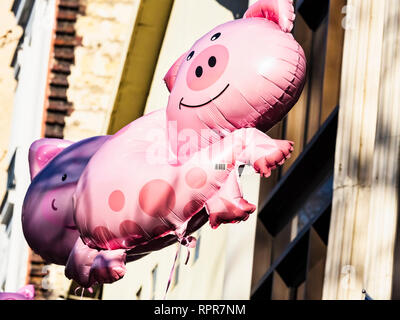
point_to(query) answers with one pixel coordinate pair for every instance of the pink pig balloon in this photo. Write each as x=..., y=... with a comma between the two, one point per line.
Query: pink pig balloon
x=164, y=175
x=247, y=73
x=25, y=293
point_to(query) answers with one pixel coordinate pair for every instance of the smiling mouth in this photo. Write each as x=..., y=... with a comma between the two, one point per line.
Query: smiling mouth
x=53, y=206
x=203, y=104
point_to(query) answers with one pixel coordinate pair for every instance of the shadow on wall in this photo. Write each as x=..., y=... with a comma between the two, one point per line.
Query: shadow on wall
x=237, y=7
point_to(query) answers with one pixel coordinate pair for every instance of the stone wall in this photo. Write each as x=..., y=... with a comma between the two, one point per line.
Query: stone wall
x=105, y=29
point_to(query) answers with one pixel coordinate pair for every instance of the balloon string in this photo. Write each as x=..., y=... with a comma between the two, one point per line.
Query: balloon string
x=90, y=289
x=76, y=290
x=172, y=271
x=188, y=255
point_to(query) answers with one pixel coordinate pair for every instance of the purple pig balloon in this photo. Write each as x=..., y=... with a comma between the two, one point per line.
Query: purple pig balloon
x=47, y=213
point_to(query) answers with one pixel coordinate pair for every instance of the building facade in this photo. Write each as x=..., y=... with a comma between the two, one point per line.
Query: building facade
x=30, y=63
x=326, y=222
x=10, y=33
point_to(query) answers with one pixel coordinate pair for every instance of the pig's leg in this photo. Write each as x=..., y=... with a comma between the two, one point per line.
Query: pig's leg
x=88, y=266
x=248, y=146
x=261, y=151
x=253, y=147
x=228, y=205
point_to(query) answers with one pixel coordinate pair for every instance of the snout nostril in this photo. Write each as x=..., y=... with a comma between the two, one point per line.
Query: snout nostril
x=199, y=72
x=212, y=61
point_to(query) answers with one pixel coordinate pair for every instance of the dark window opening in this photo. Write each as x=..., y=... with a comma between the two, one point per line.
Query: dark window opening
x=297, y=217
x=76, y=292
x=22, y=10
x=11, y=173
x=139, y=293
x=197, y=249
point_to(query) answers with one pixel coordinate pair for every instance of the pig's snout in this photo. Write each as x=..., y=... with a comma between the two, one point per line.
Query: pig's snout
x=207, y=67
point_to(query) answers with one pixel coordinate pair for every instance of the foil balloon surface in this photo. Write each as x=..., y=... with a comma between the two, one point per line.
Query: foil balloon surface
x=25, y=293
x=97, y=204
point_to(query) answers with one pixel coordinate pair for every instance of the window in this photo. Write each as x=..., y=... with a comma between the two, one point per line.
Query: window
x=6, y=214
x=11, y=173
x=197, y=249
x=4, y=243
x=297, y=259
x=77, y=293
x=22, y=10
x=154, y=281
x=7, y=218
x=177, y=269
x=139, y=294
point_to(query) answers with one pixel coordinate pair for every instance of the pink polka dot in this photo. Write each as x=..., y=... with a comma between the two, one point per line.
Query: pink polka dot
x=157, y=198
x=196, y=178
x=105, y=239
x=116, y=200
x=191, y=208
x=132, y=232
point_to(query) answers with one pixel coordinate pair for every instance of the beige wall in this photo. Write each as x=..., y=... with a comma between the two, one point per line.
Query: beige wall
x=105, y=29
x=9, y=36
x=361, y=249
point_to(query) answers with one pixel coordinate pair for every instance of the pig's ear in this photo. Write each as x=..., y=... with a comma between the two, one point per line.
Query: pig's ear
x=170, y=77
x=27, y=291
x=279, y=11
x=42, y=151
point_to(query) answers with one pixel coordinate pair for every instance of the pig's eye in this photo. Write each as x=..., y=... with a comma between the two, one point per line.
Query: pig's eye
x=190, y=56
x=64, y=177
x=215, y=36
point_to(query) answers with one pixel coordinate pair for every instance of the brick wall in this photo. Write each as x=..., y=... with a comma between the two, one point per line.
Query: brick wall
x=62, y=58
